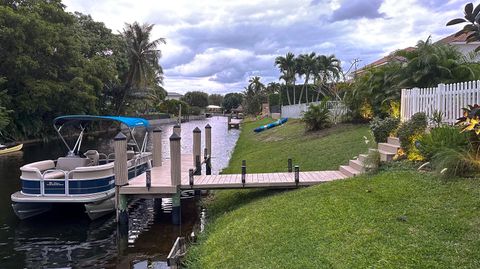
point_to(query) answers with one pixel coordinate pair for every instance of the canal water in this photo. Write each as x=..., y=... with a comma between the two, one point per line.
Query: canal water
x=68, y=239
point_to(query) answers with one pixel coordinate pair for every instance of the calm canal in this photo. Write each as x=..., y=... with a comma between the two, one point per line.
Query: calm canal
x=67, y=238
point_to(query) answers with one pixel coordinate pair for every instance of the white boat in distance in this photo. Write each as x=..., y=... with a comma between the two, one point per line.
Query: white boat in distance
x=86, y=178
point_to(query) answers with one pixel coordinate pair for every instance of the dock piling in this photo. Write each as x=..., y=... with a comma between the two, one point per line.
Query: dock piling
x=121, y=179
x=157, y=147
x=297, y=175
x=177, y=129
x=175, y=173
x=244, y=171
x=208, y=139
x=208, y=162
x=190, y=177
x=148, y=177
x=197, y=149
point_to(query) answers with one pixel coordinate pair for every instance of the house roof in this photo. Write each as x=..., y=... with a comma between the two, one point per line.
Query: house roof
x=173, y=94
x=454, y=39
x=385, y=60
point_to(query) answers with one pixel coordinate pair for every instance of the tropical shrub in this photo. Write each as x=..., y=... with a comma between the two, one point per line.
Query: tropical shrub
x=471, y=119
x=317, y=117
x=437, y=118
x=457, y=161
x=409, y=132
x=440, y=138
x=382, y=128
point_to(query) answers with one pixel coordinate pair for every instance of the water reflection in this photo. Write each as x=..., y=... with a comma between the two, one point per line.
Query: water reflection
x=67, y=238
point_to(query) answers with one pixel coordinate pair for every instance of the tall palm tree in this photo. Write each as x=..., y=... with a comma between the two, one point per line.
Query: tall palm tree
x=287, y=66
x=306, y=66
x=143, y=57
x=328, y=69
x=256, y=85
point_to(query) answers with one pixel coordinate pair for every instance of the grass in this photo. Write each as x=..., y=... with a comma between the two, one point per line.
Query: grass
x=398, y=218
x=269, y=151
x=395, y=219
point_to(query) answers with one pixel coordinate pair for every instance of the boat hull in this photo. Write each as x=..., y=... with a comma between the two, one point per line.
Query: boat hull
x=28, y=210
x=11, y=149
x=96, y=194
x=99, y=209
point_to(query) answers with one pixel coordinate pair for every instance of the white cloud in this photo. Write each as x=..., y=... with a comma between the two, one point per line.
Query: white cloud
x=216, y=45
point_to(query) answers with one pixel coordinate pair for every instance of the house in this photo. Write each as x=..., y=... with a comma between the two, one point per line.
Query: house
x=173, y=96
x=460, y=42
x=383, y=61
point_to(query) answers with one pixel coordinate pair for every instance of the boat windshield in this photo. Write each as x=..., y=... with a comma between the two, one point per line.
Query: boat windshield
x=82, y=121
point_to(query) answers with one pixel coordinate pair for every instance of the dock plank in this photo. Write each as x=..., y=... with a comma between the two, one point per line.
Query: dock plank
x=161, y=180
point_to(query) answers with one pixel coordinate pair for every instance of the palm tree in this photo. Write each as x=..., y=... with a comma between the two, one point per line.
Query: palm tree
x=328, y=69
x=287, y=66
x=256, y=85
x=306, y=66
x=143, y=57
x=430, y=64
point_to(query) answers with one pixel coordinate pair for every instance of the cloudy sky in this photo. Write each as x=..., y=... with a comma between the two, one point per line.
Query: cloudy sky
x=215, y=46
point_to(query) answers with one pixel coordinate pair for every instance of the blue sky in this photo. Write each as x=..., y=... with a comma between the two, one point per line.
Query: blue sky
x=215, y=46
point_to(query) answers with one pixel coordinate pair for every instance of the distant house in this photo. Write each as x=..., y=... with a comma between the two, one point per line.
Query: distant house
x=460, y=43
x=383, y=61
x=173, y=96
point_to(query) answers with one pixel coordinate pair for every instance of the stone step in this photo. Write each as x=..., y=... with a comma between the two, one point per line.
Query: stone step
x=348, y=171
x=362, y=157
x=388, y=147
x=394, y=141
x=386, y=156
x=357, y=165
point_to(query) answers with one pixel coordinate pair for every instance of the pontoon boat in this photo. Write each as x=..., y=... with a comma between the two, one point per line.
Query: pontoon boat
x=86, y=178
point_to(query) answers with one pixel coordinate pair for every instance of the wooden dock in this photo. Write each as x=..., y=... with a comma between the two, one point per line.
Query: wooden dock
x=182, y=172
x=233, y=123
x=161, y=184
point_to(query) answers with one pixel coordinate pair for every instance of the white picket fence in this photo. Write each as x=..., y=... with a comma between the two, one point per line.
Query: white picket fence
x=446, y=98
x=337, y=110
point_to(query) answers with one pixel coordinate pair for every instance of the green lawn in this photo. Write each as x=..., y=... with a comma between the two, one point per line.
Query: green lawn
x=269, y=151
x=398, y=218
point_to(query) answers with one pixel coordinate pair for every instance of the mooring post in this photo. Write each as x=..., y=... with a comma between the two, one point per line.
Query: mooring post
x=177, y=129
x=157, y=147
x=175, y=176
x=208, y=162
x=297, y=175
x=290, y=165
x=244, y=171
x=121, y=179
x=208, y=139
x=197, y=150
x=191, y=172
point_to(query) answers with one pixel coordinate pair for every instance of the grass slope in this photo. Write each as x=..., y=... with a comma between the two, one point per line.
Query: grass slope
x=268, y=151
x=396, y=219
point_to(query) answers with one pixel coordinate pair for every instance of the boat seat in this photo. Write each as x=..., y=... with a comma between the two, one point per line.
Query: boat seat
x=93, y=156
x=70, y=163
x=54, y=175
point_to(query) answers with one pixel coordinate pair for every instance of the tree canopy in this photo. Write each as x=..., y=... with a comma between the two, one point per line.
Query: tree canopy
x=53, y=63
x=196, y=98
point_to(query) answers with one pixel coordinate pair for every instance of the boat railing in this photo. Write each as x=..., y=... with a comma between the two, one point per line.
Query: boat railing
x=65, y=179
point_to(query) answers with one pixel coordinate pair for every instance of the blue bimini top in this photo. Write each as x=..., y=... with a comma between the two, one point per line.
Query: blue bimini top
x=130, y=122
